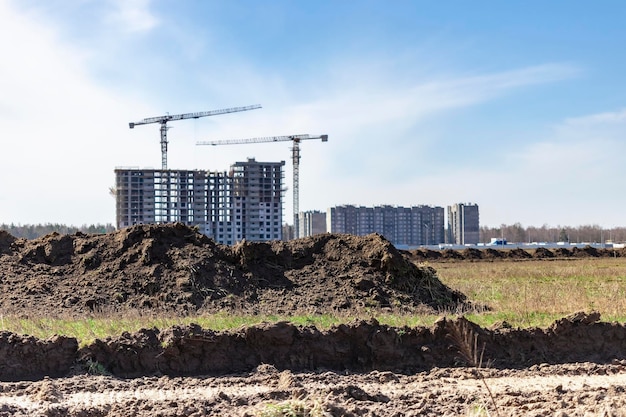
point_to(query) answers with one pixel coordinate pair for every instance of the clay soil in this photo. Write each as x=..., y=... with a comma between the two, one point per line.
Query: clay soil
x=576, y=366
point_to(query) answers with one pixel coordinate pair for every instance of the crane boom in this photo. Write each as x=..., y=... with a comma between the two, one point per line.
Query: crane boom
x=295, y=156
x=294, y=138
x=167, y=118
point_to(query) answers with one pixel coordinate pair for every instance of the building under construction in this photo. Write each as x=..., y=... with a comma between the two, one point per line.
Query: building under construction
x=243, y=203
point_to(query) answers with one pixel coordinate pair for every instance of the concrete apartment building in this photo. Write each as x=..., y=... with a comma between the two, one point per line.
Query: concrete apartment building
x=402, y=226
x=244, y=203
x=311, y=223
x=463, y=224
x=257, y=197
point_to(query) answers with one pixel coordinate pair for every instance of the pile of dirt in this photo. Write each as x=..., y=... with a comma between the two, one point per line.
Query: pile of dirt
x=473, y=254
x=6, y=240
x=174, y=268
x=543, y=253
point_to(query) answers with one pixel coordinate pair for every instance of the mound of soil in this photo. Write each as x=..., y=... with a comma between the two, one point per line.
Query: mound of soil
x=174, y=268
x=515, y=254
x=518, y=253
x=492, y=254
x=542, y=253
x=471, y=253
x=6, y=240
x=587, y=251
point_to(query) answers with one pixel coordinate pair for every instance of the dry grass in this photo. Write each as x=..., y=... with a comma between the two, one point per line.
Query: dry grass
x=523, y=293
x=466, y=341
x=537, y=292
x=294, y=408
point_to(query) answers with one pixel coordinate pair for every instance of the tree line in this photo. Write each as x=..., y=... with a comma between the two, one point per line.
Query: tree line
x=580, y=234
x=512, y=233
x=33, y=231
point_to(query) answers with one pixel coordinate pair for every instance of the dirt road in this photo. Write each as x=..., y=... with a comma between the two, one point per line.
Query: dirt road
x=548, y=390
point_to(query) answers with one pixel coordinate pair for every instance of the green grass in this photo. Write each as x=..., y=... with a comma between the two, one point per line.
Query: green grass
x=292, y=408
x=88, y=329
x=537, y=292
x=524, y=294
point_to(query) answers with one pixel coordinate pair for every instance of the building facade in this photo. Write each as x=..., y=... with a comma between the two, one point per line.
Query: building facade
x=463, y=224
x=402, y=226
x=244, y=203
x=311, y=223
x=257, y=200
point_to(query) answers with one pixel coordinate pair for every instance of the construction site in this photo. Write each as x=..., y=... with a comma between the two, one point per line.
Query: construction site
x=243, y=203
x=246, y=202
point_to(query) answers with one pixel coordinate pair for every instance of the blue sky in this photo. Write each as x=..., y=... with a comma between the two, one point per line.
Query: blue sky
x=519, y=107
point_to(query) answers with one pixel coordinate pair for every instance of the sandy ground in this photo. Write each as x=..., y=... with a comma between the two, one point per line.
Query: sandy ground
x=584, y=389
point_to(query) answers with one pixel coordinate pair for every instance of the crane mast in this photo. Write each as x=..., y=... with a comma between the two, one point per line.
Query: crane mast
x=295, y=156
x=162, y=120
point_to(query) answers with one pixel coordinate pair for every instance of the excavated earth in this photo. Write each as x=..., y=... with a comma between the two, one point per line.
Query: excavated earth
x=576, y=366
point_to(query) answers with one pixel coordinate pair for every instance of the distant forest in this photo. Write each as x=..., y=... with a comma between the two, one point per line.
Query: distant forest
x=581, y=234
x=512, y=233
x=32, y=231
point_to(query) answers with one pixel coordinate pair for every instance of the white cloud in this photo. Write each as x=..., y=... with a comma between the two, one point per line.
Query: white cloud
x=573, y=174
x=608, y=118
x=63, y=135
x=132, y=15
x=369, y=102
x=373, y=154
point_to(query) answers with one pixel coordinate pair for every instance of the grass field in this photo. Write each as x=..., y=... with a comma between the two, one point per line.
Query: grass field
x=523, y=293
x=537, y=292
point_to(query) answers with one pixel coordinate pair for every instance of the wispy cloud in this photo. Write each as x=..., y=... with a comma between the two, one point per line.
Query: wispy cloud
x=62, y=130
x=375, y=153
x=381, y=100
x=615, y=117
x=574, y=169
x=132, y=15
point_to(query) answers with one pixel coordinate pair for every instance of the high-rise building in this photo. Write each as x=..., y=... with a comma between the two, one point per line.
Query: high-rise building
x=311, y=223
x=463, y=224
x=244, y=203
x=403, y=226
x=157, y=196
x=257, y=198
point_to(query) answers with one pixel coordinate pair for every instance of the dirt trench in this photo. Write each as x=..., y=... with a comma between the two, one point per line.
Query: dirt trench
x=362, y=346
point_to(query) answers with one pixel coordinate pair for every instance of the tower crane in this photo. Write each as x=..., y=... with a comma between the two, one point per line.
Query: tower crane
x=295, y=155
x=167, y=118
